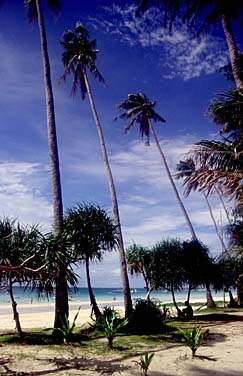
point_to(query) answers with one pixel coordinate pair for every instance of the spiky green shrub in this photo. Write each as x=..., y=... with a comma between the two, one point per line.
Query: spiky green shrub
x=110, y=325
x=67, y=328
x=194, y=338
x=144, y=362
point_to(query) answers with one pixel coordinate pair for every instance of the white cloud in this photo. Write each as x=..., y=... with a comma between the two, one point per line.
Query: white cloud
x=180, y=53
x=22, y=193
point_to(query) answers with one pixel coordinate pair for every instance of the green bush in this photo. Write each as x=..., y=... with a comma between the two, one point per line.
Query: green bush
x=194, y=338
x=148, y=317
x=110, y=325
x=144, y=362
x=68, y=328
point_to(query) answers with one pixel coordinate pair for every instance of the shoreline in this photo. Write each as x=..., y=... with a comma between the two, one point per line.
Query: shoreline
x=41, y=315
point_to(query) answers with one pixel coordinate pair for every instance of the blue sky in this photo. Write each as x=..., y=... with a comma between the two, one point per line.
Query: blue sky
x=136, y=55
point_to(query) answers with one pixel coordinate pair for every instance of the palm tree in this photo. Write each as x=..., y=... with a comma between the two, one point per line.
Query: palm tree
x=138, y=109
x=185, y=169
x=34, y=12
x=78, y=58
x=212, y=11
x=226, y=110
x=90, y=232
x=138, y=261
x=223, y=167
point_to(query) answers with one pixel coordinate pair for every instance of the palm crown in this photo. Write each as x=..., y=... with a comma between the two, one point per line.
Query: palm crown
x=30, y=5
x=138, y=109
x=79, y=55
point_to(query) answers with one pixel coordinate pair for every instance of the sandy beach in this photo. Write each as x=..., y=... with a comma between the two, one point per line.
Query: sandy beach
x=41, y=315
x=221, y=354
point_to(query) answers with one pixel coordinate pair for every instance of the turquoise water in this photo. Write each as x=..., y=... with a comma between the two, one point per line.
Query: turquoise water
x=26, y=296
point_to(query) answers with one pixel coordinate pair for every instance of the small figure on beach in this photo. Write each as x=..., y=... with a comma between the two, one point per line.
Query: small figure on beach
x=188, y=311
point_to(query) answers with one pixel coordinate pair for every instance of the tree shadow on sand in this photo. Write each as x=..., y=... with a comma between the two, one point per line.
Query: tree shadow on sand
x=219, y=317
x=197, y=371
x=101, y=367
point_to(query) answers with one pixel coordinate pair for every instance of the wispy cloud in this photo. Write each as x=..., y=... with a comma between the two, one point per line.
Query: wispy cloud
x=23, y=193
x=180, y=54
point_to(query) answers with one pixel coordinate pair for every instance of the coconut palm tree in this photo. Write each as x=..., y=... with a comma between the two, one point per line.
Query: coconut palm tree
x=211, y=11
x=90, y=232
x=34, y=12
x=79, y=58
x=226, y=110
x=184, y=170
x=138, y=109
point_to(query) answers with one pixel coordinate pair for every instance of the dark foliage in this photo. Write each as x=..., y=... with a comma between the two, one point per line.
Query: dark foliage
x=147, y=317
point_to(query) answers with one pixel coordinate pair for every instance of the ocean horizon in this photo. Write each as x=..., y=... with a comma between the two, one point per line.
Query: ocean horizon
x=27, y=295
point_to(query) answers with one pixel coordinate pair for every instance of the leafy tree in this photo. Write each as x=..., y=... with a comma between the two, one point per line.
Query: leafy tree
x=166, y=270
x=79, y=58
x=35, y=13
x=90, y=232
x=17, y=245
x=138, y=109
x=138, y=261
x=198, y=268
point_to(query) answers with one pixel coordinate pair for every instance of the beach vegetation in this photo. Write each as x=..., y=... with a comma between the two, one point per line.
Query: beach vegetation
x=194, y=338
x=18, y=244
x=167, y=270
x=138, y=262
x=144, y=362
x=89, y=232
x=79, y=58
x=110, y=325
x=67, y=329
x=149, y=316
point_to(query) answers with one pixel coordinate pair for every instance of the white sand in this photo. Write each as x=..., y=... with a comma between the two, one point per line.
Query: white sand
x=41, y=315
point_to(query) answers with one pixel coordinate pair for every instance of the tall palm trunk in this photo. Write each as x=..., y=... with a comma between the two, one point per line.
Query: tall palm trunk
x=188, y=221
x=215, y=224
x=93, y=302
x=61, y=303
x=122, y=258
x=193, y=234
x=233, y=52
x=220, y=195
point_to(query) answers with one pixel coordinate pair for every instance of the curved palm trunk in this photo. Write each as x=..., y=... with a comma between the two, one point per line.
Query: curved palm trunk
x=220, y=195
x=179, y=312
x=122, y=258
x=215, y=224
x=61, y=304
x=193, y=234
x=95, y=308
x=14, y=307
x=233, y=52
x=210, y=301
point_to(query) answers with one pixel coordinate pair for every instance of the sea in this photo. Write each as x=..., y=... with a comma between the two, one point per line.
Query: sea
x=105, y=296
